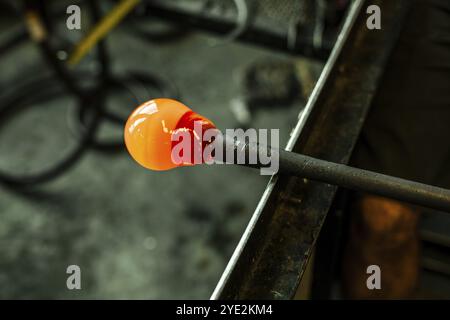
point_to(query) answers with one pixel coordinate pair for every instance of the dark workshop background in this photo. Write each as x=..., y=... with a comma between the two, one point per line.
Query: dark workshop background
x=134, y=233
x=71, y=194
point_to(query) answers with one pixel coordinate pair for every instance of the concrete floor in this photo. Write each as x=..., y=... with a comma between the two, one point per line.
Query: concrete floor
x=134, y=233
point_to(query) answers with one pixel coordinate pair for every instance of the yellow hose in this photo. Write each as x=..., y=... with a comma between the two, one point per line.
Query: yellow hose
x=101, y=29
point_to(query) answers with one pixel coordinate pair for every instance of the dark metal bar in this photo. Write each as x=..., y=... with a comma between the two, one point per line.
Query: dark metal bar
x=341, y=175
x=269, y=260
x=255, y=35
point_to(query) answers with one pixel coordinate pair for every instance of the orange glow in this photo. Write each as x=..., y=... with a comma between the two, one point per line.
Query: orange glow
x=150, y=127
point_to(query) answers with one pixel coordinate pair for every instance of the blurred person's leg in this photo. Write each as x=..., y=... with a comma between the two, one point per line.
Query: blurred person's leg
x=407, y=134
x=383, y=232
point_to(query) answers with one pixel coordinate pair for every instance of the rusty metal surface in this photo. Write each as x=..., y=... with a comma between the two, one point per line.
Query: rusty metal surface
x=269, y=25
x=272, y=255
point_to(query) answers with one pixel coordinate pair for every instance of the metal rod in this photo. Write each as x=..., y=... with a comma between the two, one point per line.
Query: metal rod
x=348, y=177
x=282, y=231
x=253, y=34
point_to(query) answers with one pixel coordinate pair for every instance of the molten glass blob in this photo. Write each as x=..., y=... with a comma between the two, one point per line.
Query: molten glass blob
x=152, y=131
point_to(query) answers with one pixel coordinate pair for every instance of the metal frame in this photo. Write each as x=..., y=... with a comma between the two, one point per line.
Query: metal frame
x=269, y=261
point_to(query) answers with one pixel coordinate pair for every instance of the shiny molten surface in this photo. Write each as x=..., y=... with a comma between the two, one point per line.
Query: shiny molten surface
x=150, y=127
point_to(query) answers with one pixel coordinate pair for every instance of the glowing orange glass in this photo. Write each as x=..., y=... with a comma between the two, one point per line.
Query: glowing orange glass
x=149, y=129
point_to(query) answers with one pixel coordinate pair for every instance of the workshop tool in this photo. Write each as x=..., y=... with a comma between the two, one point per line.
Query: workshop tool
x=149, y=139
